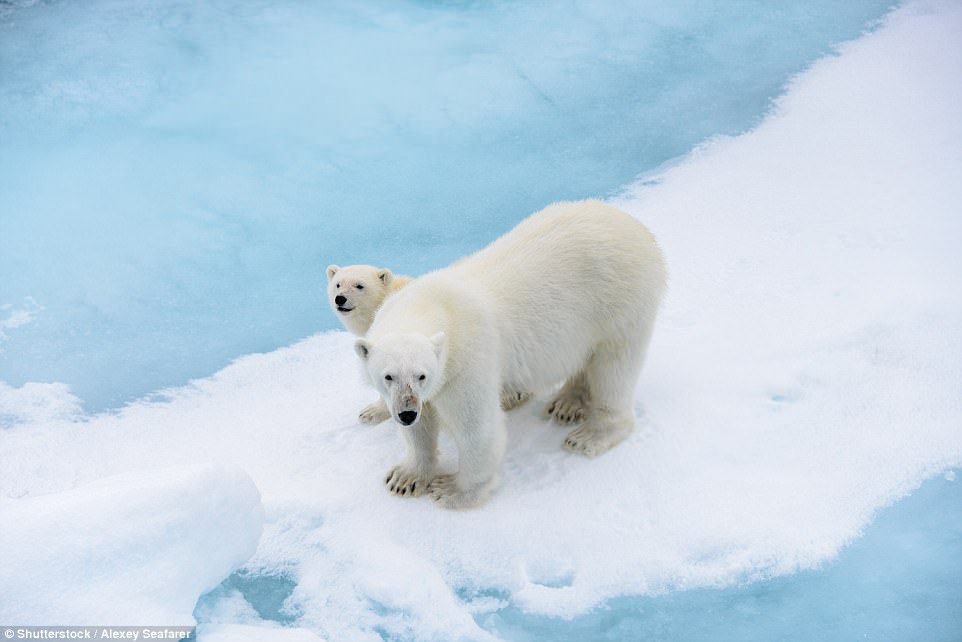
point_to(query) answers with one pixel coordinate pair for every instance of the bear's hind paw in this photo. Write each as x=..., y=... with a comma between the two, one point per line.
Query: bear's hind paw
x=594, y=438
x=567, y=409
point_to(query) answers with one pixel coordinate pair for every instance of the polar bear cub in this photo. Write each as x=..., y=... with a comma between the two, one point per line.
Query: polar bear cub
x=355, y=293
x=568, y=296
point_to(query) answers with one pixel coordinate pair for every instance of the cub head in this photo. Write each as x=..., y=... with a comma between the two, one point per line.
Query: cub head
x=355, y=292
x=406, y=369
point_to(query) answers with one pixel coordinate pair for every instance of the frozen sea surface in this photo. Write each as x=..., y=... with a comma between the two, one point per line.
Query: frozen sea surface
x=805, y=375
x=175, y=176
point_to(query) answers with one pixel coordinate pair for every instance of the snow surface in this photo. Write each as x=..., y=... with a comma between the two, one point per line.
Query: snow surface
x=805, y=373
x=246, y=633
x=133, y=548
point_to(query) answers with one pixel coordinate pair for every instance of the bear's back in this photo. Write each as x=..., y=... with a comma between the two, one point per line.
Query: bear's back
x=582, y=253
x=563, y=280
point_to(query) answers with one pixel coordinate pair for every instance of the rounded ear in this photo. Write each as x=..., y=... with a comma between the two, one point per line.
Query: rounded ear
x=385, y=275
x=363, y=348
x=331, y=271
x=437, y=340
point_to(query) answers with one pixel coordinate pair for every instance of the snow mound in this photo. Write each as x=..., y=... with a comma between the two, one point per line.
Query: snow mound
x=132, y=549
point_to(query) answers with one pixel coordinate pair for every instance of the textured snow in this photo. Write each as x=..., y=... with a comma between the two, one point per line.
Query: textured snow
x=247, y=633
x=130, y=549
x=805, y=373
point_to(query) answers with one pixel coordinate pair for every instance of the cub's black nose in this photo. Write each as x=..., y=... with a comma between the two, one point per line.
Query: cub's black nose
x=407, y=417
x=340, y=299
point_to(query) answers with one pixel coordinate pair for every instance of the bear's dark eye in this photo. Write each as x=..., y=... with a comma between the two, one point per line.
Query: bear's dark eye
x=388, y=378
x=337, y=285
x=360, y=286
x=422, y=378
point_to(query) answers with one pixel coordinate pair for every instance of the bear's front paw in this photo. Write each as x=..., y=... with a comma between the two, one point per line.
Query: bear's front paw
x=511, y=399
x=442, y=486
x=374, y=413
x=446, y=492
x=406, y=482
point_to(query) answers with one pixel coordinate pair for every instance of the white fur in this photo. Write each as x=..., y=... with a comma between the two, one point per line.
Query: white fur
x=364, y=287
x=569, y=295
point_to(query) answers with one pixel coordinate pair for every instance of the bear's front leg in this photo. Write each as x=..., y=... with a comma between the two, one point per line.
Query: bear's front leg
x=375, y=413
x=412, y=477
x=480, y=438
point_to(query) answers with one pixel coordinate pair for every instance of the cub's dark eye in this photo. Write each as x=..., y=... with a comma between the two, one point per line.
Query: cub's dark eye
x=422, y=378
x=388, y=378
x=337, y=285
x=360, y=286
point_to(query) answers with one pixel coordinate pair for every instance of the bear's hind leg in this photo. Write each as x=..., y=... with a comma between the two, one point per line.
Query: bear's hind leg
x=412, y=477
x=612, y=373
x=571, y=403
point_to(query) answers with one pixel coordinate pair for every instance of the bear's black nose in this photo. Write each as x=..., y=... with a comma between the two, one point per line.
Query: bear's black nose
x=340, y=299
x=407, y=417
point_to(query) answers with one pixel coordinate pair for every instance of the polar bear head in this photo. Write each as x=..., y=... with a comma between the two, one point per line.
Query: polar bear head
x=355, y=293
x=406, y=369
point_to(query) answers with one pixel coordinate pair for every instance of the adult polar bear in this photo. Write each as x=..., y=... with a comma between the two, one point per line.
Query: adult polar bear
x=569, y=295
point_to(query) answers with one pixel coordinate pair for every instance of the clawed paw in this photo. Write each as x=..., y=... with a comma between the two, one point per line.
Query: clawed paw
x=511, y=399
x=567, y=409
x=374, y=413
x=582, y=441
x=405, y=482
x=593, y=439
x=448, y=493
x=443, y=486
x=445, y=491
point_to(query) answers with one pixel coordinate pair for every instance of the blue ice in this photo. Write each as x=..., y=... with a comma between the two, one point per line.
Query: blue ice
x=175, y=176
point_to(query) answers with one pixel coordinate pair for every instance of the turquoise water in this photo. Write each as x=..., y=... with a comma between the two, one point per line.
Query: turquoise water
x=175, y=176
